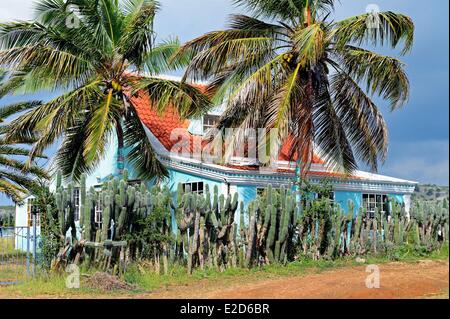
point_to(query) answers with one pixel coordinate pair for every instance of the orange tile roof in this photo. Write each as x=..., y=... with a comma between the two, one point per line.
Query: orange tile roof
x=286, y=150
x=162, y=126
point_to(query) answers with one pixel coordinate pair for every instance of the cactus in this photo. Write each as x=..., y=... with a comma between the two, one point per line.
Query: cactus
x=206, y=234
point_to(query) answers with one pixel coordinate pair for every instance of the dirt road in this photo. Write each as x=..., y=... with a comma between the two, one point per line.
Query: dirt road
x=426, y=279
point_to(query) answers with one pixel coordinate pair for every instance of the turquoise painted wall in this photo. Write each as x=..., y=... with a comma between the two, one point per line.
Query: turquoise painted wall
x=398, y=197
x=107, y=167
x=176, y=177
x=246, y=194
x=342, y=199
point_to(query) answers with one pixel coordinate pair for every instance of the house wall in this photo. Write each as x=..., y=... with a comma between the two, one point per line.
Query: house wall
x=400, y=198
x=246, y=194
x=177, y=177
x=107, y=167
x=22, y=231
x=21, y=214
x=343, y=197
x=196, y=125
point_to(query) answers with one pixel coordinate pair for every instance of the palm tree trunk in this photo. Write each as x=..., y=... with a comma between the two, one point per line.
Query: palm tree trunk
x=120, y=148
x=297, y=181
x=302, y=155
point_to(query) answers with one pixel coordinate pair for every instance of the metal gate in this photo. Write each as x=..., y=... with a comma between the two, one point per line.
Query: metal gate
x=17, y=248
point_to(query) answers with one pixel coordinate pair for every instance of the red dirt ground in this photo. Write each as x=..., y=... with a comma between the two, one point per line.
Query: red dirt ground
x=426, y=279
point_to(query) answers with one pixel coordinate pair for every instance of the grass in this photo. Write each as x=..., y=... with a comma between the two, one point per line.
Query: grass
x=7, y=246
x=12, y=261
x=146, y=281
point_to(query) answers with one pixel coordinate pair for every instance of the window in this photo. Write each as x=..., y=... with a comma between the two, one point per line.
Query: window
x=209, y=121
x=98, y=211
x=373, y=201
x=260, y=191
x=195, y=187
x=135, y=182
x=330, y=197
x=76, y=200
x=32, y=208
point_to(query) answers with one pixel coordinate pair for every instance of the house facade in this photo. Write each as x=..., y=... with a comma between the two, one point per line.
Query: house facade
x=180, y=146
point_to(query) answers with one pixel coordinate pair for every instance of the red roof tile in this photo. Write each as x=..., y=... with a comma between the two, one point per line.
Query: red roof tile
x=286, y=150
x=164, y=125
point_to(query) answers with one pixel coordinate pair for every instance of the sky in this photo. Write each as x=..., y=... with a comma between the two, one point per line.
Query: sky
x=418, y=133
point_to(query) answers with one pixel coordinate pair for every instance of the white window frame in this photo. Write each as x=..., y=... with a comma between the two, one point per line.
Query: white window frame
x=374, y=201
x=209, y=121
x=199, y=190
x=98, y=212
x=77, y=203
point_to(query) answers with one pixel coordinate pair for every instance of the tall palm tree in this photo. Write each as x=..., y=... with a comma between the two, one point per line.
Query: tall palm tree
x=290, y=67
x=94, y=53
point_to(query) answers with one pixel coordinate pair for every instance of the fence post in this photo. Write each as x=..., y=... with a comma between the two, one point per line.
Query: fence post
x=28, y=251
x=34, y=244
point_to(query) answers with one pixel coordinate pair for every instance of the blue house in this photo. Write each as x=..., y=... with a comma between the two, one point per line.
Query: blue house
x=180, y=146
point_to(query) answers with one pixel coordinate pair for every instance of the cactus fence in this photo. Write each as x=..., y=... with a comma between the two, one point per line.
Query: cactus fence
x=214, y=231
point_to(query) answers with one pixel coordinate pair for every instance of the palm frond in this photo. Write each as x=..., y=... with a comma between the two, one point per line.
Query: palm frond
x=137, y=40
x=6, y=148
x=364, y=124
x=16, y=166
x=310, y=44
x=69, y=158
x=11, y=83
x=376, y=28
x=23, y=181
x=279, y=109
x=290, y=10
x=56, y=64
x=382, y=75
x=11, y=190
x=50, y=120
x=12, y=109
x=158, y=60
x=187, y=99
x=330, y=137
x=99, y=127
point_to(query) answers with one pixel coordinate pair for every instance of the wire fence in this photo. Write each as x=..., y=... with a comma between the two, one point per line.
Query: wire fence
x=17, y=251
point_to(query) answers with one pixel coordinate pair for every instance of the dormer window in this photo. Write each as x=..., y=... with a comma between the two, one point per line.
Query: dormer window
x=209, y=121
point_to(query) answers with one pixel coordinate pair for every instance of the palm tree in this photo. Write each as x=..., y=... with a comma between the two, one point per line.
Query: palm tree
x=307, y=76
x=94, y=53
x=17, y=177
